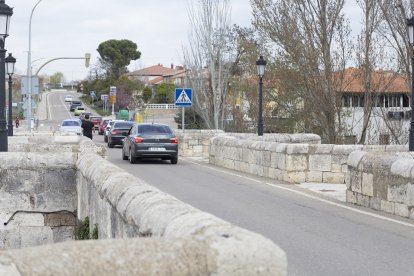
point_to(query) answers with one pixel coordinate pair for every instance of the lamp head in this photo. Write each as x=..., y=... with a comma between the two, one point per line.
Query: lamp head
x=10, y=61
x=261, y=65
x=5, y=13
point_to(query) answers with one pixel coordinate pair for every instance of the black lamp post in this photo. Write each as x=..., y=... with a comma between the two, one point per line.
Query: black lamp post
x=410, y=24
x=261, y=65
x=5, y=13
x=10, y=61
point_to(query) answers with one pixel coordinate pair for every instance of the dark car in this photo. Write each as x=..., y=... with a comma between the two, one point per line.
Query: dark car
x=102, y=126
x=150, y=141
x=74, y=105
x=118, y=132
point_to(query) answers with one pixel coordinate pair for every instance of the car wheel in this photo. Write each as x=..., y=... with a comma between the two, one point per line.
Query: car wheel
x=105, y=139
x=110, y=145
x=124, y=157
x=174, y=160
x=131, y=158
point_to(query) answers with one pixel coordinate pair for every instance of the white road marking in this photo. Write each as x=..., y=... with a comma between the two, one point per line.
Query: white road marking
x=309, y=196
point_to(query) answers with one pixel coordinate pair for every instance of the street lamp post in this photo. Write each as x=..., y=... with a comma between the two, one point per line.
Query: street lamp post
x=5, y=13
x=10, y=61
x=410, y=24
x=261, y=65
x=29, y=71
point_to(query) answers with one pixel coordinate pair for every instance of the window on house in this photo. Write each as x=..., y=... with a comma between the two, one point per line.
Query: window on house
x=406, y=100
x=346, y=101
x=355, y=101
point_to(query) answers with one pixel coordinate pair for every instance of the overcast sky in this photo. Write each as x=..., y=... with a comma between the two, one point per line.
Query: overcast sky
x=71, y=28
x=63, y=28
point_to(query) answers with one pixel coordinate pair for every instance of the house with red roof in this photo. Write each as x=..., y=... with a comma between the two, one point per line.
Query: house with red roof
x=391, y=107
x=157, y=74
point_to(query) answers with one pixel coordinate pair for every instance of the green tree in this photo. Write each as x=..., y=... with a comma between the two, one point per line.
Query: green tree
x=164, y=93
x=56, y=79
x=115, y=55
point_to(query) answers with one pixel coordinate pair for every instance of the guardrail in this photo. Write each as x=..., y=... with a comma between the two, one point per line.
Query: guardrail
x=162, y=106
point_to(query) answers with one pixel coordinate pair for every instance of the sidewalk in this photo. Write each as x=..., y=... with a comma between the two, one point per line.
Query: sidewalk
x=336, y=191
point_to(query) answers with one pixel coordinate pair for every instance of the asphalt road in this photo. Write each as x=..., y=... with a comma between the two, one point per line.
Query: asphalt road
x=320, y=236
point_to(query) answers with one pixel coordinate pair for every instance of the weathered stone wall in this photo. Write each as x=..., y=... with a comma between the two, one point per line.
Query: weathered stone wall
x=196, y=143
x=382, y=181
x=39, y=187
x=294, y=163
x=158, y=233
x=123, y=206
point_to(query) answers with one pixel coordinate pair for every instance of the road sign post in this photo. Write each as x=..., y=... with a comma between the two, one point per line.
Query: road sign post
x=112, y=98
x=183, y=98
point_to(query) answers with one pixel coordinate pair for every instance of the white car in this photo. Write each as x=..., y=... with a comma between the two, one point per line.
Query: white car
x=71, y=125
x=68, y=98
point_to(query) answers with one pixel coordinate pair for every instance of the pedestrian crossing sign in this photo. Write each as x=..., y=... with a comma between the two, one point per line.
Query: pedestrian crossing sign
x=183, y=97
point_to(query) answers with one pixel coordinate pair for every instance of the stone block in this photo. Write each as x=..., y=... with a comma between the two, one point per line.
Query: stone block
x=336, y=168
x=375, y=203
x=354, y=158
x=397, y=193
x=34, y=236
x=330, y=177
x=295, y=177
x=60, y=219
x=387, y=206
x=297, y=148
x=362, y=200
x=320, y=162
x=350, y=197
x=401, y=210
x=367, y=184
x=314, y=176
x=402, y=167
x=278, y=160
x=296, y=163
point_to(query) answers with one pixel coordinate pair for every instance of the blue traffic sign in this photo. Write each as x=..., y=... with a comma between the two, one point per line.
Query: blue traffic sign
x=183, y=97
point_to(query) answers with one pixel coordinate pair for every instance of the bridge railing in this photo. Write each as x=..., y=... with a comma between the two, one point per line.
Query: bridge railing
x=162, y=106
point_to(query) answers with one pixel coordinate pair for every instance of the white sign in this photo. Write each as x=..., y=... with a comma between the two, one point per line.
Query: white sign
x=112, y=91
x=25, y=85
x=104, y=97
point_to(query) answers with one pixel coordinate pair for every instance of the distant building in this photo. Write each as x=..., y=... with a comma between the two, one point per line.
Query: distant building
x=159, y=74
x=390, y=97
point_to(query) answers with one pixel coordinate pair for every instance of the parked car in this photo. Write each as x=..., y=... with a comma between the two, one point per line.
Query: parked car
x=71, y=125
x=150, y=141
x=102, y=126
x=118, y=132
x=96, y=120
x=79, y=110
x=82, y=115
x=68, y=98
x=108, y=128
x=75, y=104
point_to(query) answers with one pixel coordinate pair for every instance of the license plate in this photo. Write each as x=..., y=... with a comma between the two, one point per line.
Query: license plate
x=157, y=149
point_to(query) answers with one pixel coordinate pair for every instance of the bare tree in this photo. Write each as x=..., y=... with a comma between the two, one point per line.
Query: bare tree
x=368, y=52
x=311, y=37
x=209, y=58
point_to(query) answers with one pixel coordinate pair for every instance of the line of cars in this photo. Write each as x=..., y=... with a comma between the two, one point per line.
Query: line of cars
x=74, y=125
x=141, y=141
x=138, y=141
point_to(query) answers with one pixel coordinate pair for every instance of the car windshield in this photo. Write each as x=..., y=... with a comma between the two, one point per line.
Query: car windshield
x=154, y=129
x=123, y=125
x=70, y=123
